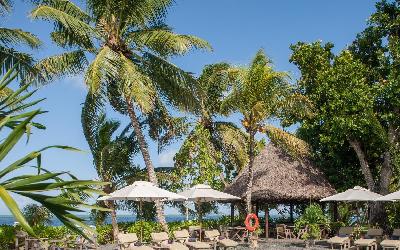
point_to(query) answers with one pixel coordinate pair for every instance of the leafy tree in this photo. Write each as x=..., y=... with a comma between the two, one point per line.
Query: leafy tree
x=213, y=147
x=258, y=93
x=130, y=43
x=36, y=215
x=16, y=121
x=347, y=112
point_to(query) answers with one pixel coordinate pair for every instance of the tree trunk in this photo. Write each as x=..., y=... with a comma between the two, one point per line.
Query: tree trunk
x=378, y=214
x=365, y=169
x=146, y=157
x=114, y=223
x=250, y=173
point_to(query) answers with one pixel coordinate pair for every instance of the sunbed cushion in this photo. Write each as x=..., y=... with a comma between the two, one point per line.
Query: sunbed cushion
x=198, y=245
x=174, y=246
x=227, y=243
x=159, y=237
x=364, y=242
x=390, y=243
x=338, y=240
x=127, y=238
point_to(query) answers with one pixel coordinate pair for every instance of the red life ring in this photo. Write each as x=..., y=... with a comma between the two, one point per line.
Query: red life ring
x=248, y=225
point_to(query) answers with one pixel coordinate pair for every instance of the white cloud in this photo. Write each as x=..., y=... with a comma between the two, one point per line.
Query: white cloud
x=76, y=81
x=166, y=158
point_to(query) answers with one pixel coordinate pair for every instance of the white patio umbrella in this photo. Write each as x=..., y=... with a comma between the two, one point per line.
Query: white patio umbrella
x=204, y=193
x=355, y=194
x=390, y=197
x=142, y=191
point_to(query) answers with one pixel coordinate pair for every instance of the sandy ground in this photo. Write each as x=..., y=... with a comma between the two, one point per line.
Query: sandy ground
x=265, y=245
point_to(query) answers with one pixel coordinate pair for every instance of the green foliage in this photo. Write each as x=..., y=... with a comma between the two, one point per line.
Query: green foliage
x=7, y=235
x=15, y=122
x=312, y=218
x=36, y=215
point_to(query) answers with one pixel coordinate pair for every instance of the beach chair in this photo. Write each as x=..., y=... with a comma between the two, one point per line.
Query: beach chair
x=215, y=237
x=342, y=239
x=162, y=241
x=370, y=240
x=282, y=232
x=183, y=236
x=393, y=242
x=20, y=240
x=129, y=241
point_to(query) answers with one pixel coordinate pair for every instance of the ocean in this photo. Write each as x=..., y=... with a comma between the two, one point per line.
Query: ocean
x=9, y=219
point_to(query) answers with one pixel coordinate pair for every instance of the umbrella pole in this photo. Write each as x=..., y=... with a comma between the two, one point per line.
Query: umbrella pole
x=200, y=219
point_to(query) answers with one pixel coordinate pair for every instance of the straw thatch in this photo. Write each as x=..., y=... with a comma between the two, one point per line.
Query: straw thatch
x=279, y=178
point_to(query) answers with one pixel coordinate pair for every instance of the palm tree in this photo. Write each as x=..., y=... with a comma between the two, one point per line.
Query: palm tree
x=212, y=146
x=130, y=43
x=258, y=94
x=111, y=154
x=16, y=121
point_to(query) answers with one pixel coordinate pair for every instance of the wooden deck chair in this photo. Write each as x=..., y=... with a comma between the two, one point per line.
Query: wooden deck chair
x=161, y=240
x=183, y=236
x=342, y=239
x=370, y=241
x=393, y=242
x=129, y=241
x=214, y=236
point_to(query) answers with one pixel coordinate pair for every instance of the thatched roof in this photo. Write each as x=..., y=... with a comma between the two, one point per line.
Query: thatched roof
x=279, y=178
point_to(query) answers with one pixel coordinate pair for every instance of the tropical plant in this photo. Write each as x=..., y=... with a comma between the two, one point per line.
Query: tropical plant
x=130, y=43
x=312, y=219
x=15, y=122
x=258, y=94
x=212, y=147
x=112, y=154
x=355, y=119
x=36, y=215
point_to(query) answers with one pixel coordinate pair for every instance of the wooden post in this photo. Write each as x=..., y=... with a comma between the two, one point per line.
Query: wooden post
x=257, y=208
x=266, y=222
x=291, y=213
x=232, y=213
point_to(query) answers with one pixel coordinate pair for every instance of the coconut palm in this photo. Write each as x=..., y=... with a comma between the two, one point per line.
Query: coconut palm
x=130, y=43
x=212, y=146
x=258, y=94
x=16, y=121
x=111, y=153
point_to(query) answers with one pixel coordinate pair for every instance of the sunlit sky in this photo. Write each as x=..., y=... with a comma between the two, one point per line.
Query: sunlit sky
x=235, y=29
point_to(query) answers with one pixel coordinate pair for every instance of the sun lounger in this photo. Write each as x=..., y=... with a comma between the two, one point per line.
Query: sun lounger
x=161, y=240
x=342, y=239
x=183, y=236
x=370, y=239
x=128, y=241
x=393, y=242
x=218, y=241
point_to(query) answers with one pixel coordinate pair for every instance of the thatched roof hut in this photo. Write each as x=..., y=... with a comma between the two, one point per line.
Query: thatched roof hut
x=280, y=178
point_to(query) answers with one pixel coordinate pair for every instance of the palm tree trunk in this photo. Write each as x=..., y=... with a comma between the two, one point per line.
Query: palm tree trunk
x=114, y=223
x=146, y=157
x=250, y=172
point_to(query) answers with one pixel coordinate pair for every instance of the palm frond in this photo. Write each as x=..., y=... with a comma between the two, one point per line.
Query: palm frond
x=54, y=67
x=10, y=58
x=164, y=42
x=171, y=81
x=70, y=30
x=18, y=37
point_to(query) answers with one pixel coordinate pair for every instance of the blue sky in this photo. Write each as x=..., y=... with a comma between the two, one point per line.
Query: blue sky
x=235, y=29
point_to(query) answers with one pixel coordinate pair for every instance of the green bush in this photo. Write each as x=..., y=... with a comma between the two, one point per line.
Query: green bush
x=7, y=235
x=312, y=218
x=105, y=233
